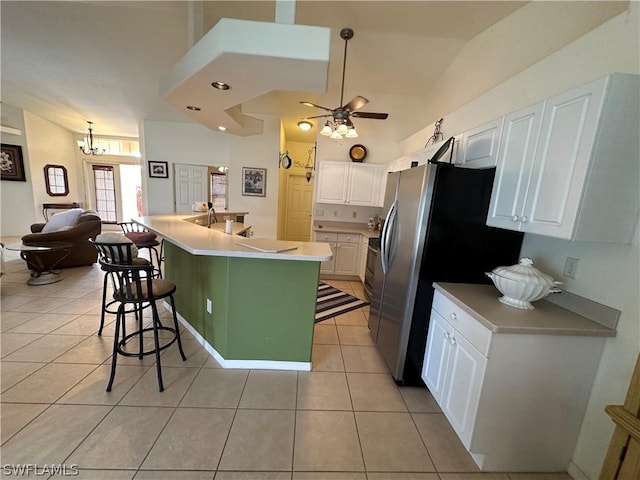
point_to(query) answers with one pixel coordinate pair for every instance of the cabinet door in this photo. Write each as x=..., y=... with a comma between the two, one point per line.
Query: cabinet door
x=332, y=182
x=331, y=238
x=561, y=162
x=328, y=266
x=515, y=161
x=480, y=145
x=346, y=259
x=462, y=386
x=436, y=355
x=363, y=185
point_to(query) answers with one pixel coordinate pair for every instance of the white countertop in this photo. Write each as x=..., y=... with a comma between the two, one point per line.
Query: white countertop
x=481, y=302
x=200, y=240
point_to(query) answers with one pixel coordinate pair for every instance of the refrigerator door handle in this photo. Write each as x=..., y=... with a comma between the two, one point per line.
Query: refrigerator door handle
x=385, y=243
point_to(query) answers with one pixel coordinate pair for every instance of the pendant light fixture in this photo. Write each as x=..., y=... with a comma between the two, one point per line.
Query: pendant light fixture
x=87, y=147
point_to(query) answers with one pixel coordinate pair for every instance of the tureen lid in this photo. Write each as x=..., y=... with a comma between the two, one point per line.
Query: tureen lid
x=524, y=272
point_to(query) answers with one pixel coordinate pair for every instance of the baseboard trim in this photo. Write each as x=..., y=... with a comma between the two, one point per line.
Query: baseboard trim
x=240, y=364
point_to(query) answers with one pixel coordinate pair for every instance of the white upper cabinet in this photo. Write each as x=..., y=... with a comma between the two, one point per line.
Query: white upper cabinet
x=349, y=183
x=515, y=160
x=479, y=147
x=332, y=182
x=569, y=166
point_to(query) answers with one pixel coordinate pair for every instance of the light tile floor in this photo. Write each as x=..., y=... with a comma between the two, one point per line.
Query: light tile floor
x=344, y=420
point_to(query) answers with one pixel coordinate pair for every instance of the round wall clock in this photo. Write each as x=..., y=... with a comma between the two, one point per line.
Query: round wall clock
x=357, y=153
x=286, y=161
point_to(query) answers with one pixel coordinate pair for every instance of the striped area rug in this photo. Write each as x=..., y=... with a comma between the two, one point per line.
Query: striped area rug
x=332, y=302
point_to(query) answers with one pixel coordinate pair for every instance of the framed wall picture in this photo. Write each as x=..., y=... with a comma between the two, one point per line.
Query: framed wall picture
x=254, y=181
x=11, y=163
x=158, y=169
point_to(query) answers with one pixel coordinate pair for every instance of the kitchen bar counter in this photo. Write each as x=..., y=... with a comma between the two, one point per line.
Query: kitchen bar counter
x=181, y=230
x=481, y=302
x=248, y=308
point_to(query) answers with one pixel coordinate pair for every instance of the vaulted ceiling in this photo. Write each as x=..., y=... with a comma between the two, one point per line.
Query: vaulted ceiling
x=103, y=60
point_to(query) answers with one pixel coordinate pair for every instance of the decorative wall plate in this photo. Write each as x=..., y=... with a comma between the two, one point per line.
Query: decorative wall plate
x=357, y=153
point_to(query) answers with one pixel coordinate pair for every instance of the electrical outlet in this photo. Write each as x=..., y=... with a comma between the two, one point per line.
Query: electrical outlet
x=209, y=305
x=354, y=214
x=571, y=267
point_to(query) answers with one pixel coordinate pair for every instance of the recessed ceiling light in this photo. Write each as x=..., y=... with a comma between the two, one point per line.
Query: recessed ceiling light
x=222, y=128
x=193, y=108
x=304, y=126
x=221, y=85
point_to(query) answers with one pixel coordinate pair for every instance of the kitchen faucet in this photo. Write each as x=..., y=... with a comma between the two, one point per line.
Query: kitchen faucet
x=211, y=215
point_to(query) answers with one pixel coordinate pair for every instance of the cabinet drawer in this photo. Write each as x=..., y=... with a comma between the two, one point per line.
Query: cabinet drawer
x=475, y=333
x=326, y=237
x=348, y=238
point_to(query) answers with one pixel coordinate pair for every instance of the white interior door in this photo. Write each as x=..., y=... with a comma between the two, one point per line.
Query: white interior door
x=191, y=185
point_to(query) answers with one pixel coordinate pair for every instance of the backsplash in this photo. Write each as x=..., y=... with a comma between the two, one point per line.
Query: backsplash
x=344, y=213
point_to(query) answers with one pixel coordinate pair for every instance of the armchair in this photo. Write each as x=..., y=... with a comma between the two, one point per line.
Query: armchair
x=87, y=225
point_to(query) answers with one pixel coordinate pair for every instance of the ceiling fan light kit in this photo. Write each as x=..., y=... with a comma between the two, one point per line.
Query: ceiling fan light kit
x=340, y=126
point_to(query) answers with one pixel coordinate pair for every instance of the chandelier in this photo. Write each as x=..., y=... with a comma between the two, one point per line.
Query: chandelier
x=87, y=147
x=339, y=128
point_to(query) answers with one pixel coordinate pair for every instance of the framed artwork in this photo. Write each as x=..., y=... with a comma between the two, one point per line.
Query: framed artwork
x=158, y=169
x=11, y=163
x=254, y=181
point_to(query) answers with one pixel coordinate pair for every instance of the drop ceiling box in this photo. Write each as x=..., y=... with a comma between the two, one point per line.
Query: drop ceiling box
x=254, y=58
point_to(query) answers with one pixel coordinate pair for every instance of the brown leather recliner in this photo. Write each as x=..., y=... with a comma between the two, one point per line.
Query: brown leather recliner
x=82, y=252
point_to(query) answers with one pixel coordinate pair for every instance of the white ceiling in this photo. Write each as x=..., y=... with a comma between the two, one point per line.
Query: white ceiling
x=102, y=61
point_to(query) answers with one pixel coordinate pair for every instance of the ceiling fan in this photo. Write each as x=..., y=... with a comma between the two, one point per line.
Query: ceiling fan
x=341, y=125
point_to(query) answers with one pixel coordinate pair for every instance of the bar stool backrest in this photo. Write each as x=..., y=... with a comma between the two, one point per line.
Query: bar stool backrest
x=118, y=253
x=128, y=227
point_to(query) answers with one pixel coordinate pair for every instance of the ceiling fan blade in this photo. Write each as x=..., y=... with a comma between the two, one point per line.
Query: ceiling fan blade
x=375, y=116
x=355, y=104
x=317, y=116
x=309, y=104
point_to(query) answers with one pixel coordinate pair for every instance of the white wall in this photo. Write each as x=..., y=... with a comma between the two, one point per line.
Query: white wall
x=42, y=143
x=175, y=142
x=261, y=151
x=49, y=143
x=191, y=143
x=608, y=274
x=17, y=207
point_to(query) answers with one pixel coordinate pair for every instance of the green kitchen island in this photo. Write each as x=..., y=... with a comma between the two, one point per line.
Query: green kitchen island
x=249, y=301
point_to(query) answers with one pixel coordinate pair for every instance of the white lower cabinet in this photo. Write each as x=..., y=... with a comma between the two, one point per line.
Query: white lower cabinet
x=516, y=401
x=345, y=249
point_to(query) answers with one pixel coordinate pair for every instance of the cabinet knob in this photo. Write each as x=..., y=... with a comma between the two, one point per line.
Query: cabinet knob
x=453, y=316
x=515, y=218
x=452, y=341
x=446, y=335
x=523, y=219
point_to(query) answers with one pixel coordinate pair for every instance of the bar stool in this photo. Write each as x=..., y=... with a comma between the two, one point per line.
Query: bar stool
x=135, y=287
x=114, y=248
x=143, y=238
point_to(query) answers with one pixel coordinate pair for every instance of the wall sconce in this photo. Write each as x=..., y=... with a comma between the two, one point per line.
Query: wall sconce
x=311, y=165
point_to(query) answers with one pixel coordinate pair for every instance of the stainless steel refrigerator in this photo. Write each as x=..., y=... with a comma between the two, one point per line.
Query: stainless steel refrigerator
x=434, y=230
